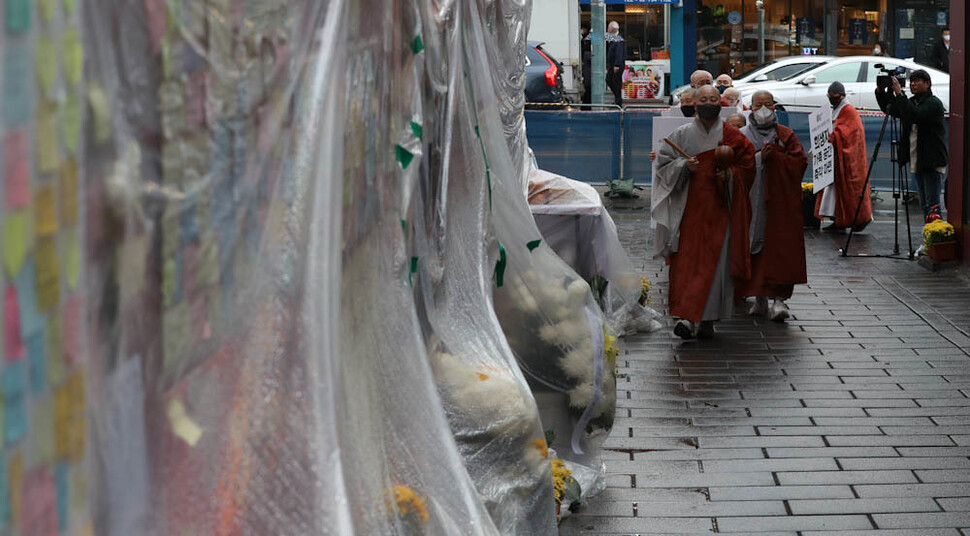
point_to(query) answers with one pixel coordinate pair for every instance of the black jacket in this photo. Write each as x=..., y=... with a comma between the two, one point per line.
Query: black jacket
x=926, y=112
x=941, y=56
x=615, y=52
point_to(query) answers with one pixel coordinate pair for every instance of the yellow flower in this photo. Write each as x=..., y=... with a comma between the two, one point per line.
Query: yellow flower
x=540, y=445
x=560, y=478
x=936, y=232
x=645, y=286
x=410, y=504
x=609, y=347
x=807, y=187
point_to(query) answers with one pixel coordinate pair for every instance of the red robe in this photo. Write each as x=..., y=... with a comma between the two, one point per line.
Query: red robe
x=704, y=225
x=851, y=168
x=780, y=264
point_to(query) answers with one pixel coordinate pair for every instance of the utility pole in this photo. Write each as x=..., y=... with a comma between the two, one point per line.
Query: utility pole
x=760, y=4
x=597, y=32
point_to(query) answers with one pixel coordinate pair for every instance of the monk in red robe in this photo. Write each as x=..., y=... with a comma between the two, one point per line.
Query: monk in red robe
x=840, y=200
x=701, y=214
x=776, y=233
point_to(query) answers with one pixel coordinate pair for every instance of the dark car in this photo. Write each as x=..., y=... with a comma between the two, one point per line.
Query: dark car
x=543, y=76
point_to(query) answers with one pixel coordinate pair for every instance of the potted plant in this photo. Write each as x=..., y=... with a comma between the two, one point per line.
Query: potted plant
x=808, y=206
x=939, y=241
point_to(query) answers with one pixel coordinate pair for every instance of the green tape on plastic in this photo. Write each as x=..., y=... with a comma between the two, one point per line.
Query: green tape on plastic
x=417, y=129
x=500, y=266
x=404, y=225
x=414, y=270
x=417, y=44
x=488, y=171
x=534, y=244
x=403, y=156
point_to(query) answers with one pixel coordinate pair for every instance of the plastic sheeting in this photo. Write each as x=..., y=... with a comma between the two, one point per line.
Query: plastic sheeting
x=574, y=222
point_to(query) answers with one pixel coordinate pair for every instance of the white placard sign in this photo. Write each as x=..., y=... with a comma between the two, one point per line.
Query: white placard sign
x=823, y=154
x=663, y=127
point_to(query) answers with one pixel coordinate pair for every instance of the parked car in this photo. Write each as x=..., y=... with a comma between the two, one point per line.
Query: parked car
x=543, y=76
x=774, y=70
x=808, y=90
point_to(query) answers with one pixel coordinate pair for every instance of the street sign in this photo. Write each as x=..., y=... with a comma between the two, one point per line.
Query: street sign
x=734, y=17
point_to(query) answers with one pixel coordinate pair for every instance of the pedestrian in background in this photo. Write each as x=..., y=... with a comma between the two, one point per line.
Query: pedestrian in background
x=586, y=46
x=840, y=199
x=923, y=143
x=776, y=236
x=615, y=61
x=941, y=52
x=880, y=49
x=723, y=82
x=702, y=213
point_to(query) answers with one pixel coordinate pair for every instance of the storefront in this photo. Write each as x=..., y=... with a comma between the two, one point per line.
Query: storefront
x=728, y=33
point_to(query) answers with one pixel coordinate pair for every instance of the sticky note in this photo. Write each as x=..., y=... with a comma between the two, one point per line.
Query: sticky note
x=5, y=518
x=39, y=503
x=70, y=118
x=16, y=170
x=62, y=484
x=37, y=362
x=67, y=187
x=72, y=261
x=79, y=489
x=46, y=9
x=45, y=139
x=68, y=7
x=100, y=111
x=48, y=270
x=17, y=15
x=45, y=61
x=55, y=357
x=13, y=382
x=16, y=473
x=17, y=235
x=41, y=432
x=182, y=425
x=17, y=82
x=13, y=343
x=31, y=319
x=45, y=211
x=72, y=56
x=73, y=318
x=69, y=418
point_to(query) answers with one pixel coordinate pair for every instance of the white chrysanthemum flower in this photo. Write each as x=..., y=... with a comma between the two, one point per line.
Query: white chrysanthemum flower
x=580, y=396
x=578, y=363
x=577, y=291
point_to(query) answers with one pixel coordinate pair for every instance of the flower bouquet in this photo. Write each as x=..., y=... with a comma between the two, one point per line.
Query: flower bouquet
x=939, y=241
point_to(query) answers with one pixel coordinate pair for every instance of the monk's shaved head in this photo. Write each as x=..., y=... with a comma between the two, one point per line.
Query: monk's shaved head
x=701, y=78
x=709, y=92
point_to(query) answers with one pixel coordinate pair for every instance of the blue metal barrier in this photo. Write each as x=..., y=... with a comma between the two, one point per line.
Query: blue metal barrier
x=601, y=145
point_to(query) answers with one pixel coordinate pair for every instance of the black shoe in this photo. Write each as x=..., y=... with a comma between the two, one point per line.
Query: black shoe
x=683, y=331
x=834, y=229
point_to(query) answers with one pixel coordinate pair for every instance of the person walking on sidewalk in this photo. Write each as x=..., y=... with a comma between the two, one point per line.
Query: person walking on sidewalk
x=701, y=209
x=923, y=142
x=839, y=200
x=615, y=61
x=776, y=233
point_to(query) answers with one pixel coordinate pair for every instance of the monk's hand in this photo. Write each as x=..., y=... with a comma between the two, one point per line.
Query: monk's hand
x=766, y=150
x=693, y=164
x=832, y=137
x=721, y=176
x=653, y=155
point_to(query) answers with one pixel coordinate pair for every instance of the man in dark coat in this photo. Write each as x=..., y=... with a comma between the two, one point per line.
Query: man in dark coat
x=615, y=61
x=941, y=52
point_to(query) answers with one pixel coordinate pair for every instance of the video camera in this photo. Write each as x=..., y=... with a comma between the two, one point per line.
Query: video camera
x=884, y=81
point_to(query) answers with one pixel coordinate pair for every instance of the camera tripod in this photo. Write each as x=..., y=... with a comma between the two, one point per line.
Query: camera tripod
x=900, y=185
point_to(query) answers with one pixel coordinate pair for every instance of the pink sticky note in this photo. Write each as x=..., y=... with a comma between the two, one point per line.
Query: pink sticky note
x=73, y=318
x=38, y=503
x=16, y=170
x=13, y=344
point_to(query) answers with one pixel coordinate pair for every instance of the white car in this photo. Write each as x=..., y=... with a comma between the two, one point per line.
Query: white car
x=774, y=70
x=809, y=90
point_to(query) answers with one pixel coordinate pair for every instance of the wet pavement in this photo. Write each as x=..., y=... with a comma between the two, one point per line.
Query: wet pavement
x=851, y=418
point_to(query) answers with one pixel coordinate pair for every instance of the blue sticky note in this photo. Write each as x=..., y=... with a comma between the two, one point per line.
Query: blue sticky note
x=31, y=319
x=37, y=361
x=13, y=382
x=63, y=489
x=16, y=83
x=17, y=15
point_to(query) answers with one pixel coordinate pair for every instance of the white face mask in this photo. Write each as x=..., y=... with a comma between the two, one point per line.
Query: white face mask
x=876, y=51
x=764, y=116
x=946, y=38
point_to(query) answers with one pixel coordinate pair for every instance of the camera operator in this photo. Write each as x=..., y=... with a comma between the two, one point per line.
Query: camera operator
x=923, y=142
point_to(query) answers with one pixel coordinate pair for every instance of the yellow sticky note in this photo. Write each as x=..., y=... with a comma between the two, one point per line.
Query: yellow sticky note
x=69, y=418
x=48, y=283
x=68, y=192
x=16, y=472
x=46, y=8
x=79, y=489
x=100, y=112
x=72, y=56
x=182, y=425
x=55, y=355
x=45, y=61
x=16, y=238
x=72, y=263
x=42, y=432
x=45, y=138
x=45, y=211
x=70, y=117
x=68, y=7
